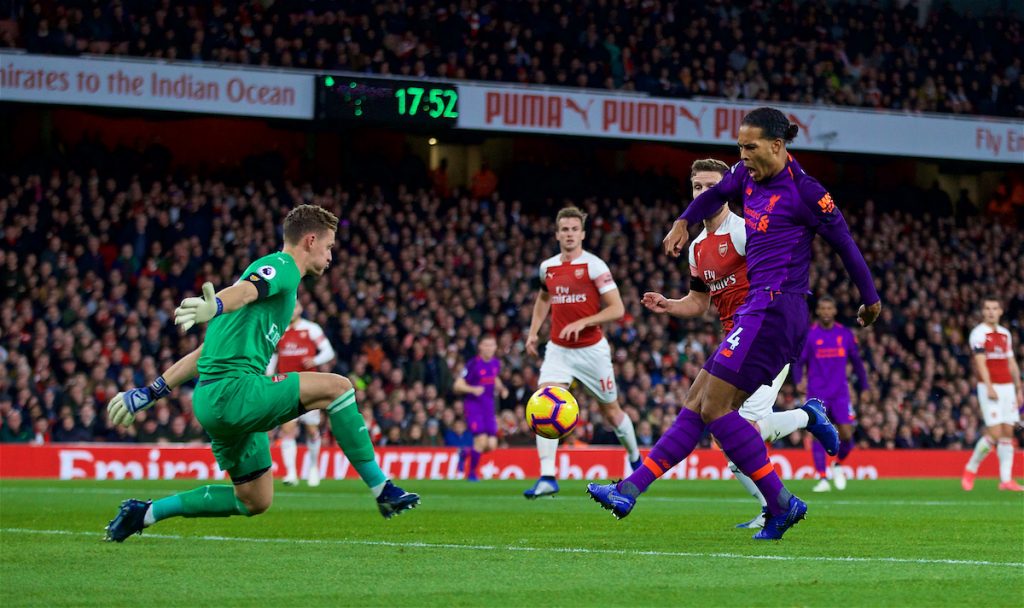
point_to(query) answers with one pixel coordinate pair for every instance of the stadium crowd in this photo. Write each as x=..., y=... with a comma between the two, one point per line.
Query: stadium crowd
x=837, y=53
x=94, y=263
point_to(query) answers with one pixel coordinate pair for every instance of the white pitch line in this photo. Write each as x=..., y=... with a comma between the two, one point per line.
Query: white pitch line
x=562, y=550
x=288, y=493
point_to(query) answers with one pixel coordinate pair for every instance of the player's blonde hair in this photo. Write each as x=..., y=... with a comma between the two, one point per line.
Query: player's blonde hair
x=571, y=212
x=708, y=164
x=304, y=219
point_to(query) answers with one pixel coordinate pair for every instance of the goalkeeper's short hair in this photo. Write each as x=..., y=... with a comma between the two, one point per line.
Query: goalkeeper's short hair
x=304, y=219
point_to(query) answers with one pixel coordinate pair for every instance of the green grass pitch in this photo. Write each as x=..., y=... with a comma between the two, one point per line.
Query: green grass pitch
x=879, y=543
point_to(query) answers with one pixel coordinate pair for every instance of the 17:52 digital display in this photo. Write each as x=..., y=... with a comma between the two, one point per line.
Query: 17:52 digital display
x=386, y=101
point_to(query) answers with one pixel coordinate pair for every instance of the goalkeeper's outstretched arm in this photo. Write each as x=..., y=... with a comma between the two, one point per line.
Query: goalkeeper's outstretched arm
x=183, y=370
x=123, y=407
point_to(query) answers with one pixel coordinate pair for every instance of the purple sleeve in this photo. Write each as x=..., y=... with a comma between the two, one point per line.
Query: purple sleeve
x=858, y=364
x=711, y=200
x=828, y=221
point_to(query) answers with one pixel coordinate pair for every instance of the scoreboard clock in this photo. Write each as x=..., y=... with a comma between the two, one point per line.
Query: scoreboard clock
x=386, y=101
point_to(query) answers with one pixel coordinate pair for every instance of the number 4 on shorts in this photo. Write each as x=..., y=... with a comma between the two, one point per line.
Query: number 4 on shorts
x=733, y=341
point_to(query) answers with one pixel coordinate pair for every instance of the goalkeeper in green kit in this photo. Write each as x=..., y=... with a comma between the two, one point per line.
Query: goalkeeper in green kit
x=236, y=403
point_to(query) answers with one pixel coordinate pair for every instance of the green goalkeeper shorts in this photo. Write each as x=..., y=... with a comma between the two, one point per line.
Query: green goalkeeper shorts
x=238, y=411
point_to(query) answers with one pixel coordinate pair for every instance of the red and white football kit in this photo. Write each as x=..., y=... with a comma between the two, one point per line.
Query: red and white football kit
x=302, y=340
x=575, y=288
x=994, y=342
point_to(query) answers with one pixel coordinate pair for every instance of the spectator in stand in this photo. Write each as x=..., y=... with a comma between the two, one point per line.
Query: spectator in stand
x=14, y=429
x=484, y=182
x=439, y=180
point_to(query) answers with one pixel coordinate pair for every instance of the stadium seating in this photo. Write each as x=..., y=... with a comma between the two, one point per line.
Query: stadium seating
x=834, y=53
x=416, y=280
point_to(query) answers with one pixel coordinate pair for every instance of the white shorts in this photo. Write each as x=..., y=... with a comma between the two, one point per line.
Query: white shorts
x=1001, y=411
x=311, y=418
x=762, y=402
x=591, y=365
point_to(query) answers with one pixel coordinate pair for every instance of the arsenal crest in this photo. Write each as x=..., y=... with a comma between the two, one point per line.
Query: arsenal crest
x=579, y=273
x=723, y=248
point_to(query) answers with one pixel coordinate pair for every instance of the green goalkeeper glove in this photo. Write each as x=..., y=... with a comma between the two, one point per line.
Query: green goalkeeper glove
x=198, y=310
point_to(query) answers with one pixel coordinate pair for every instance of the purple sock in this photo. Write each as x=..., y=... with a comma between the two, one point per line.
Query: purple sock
x=474, y=462
x=845, y=447
x=820, y=458
x=675, y=445
x=743, y=445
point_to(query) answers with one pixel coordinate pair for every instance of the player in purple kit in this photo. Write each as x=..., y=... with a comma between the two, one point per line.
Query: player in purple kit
x=828, y=348
x=783, y=209
x=478, y=383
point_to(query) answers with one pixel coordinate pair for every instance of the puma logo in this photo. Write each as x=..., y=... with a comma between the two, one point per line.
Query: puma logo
x=570, y=104
x=805, y=128
x=694, y=119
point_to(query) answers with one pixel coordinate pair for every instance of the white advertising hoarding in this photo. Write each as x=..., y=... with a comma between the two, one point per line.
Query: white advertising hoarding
x=152, y=85
x=583, y=113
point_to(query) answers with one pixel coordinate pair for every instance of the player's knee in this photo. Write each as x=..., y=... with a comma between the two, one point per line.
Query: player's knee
x=256, y=505
x=709, y=412
x=340, y=384
x=612, y=411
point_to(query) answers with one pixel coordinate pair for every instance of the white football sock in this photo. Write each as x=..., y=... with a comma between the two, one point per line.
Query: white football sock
x=1005, y=453
x=627, y=437
x=148, y=519
x=288, y=451
x=546, y=449
x=777, y=425
x=748, y=483
x=313, y=445
x=981, y=450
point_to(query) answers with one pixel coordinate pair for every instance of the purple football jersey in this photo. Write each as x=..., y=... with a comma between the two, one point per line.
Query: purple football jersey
x=825, y=355
x=481, y=373
x=782, y=215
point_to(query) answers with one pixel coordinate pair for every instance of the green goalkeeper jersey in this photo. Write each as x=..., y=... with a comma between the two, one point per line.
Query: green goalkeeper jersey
x=242, y=342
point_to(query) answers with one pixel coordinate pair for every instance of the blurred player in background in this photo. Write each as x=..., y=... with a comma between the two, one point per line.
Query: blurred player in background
x=303, y=347
x=577, y=288
x=480, y=383
x=237, y=403
x=999, y=395
x=828, y=348
x=718, y=275
x=783, y=209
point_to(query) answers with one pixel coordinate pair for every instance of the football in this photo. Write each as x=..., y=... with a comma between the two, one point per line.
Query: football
x=552, y=412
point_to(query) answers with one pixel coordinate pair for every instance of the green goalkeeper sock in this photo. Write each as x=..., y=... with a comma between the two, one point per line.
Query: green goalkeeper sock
x=349, y=429
x=207, y=501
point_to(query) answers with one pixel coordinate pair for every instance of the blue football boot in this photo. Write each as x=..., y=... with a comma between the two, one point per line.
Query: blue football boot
x=393, y=500
x=545, y=486
x=775, y=527
x=757, y=522
x=609, y=497
x=128, y=521
x=822, y=428
x=636, y=464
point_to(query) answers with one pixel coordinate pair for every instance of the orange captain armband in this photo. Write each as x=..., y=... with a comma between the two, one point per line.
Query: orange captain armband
x=826, y=204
